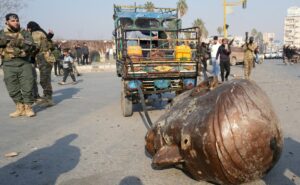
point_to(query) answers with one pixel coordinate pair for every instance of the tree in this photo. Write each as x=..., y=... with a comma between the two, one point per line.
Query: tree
x=200, y=24
x=260, y=40
x=220, y=30
x=149, y=6
x=253, y=32
x=259, y=37
x=10, y=6
x=182, y=7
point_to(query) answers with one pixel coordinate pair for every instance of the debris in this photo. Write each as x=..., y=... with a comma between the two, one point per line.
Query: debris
x=12, y=154
x=218, y=134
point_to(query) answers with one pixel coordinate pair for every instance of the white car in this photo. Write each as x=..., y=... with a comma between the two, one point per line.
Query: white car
x=267, y=55
x=274, y=55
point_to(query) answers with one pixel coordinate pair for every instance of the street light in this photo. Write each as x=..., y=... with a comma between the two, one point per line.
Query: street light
x=231, y=4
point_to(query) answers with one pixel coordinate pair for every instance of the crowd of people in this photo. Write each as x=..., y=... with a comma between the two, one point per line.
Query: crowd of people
x=24, y=50
x=82, y=54
x=219, y=56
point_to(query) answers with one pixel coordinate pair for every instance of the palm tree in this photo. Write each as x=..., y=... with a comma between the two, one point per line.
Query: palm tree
x=260, y=40
x=220, y=30
x=200, y=24
x=149, y=6
x=182, y=7
x=253, y=32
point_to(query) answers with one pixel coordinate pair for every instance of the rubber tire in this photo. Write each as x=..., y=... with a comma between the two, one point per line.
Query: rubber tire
x=126, y=105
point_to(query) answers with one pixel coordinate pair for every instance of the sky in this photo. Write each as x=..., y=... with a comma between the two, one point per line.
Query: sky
x=92, y=19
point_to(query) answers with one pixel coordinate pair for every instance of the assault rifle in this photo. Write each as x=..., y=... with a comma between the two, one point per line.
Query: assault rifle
x=246, y=39
x=5, y=39
x=231, y=42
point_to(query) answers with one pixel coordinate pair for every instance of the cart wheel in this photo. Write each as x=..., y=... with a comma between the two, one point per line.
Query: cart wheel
x=126, y=105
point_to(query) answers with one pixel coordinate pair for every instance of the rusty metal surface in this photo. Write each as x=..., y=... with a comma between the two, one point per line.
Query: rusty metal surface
x=229, y=135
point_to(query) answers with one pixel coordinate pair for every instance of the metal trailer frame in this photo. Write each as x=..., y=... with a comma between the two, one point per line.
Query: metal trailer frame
x=141, y=70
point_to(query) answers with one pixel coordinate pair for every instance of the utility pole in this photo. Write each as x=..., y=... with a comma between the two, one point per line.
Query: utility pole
x=231, y=4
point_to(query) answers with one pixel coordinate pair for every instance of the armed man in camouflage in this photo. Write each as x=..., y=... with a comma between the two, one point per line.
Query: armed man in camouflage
x=44, y=59
x=249, y=49
x=17, y=46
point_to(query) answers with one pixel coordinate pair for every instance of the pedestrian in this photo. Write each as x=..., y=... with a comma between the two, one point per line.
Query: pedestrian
x=68, y=62
x=74, y=68
x=249, y=49
x=224, y=54
x=213, y=52
x=85, y=52
x=256, y=56
x=284, y=54
x=44, y=58
x=17, y=45
x=203, y=54
x=57, y=54
x=78, y=54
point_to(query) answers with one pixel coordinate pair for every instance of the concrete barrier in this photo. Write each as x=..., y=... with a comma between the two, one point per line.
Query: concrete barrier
x=97, y=67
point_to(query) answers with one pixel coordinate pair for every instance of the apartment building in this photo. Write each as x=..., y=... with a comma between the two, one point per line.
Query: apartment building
x=292, y=27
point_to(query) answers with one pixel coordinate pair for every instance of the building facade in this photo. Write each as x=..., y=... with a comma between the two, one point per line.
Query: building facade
x=292, y=27
x=268, y=37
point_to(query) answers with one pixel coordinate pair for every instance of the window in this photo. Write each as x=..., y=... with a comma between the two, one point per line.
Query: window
x=126, y=22
x=147, y=23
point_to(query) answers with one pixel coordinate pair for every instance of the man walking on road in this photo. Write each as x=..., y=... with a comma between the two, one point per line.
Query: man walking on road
x=249, y=49
x=224, y=54
x=17, y=45
x=213, y=50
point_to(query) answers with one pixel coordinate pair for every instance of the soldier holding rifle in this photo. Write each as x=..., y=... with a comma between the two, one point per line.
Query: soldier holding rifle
x=249, y=48
x=17, y=46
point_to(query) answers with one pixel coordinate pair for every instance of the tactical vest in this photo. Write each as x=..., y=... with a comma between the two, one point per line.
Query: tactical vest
x=249, y=51
x=10, y=52
x=44, y=45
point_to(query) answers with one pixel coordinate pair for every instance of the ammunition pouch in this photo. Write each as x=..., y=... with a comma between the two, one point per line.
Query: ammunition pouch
x=3, y=41
x=9, y=53
x=49, y=57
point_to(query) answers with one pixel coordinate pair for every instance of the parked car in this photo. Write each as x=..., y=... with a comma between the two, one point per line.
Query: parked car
x=279, y=54
x=268, y=55
x=236, y=56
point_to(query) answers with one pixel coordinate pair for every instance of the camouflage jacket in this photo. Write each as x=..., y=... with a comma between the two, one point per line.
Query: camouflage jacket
x=44, y=46
x=15, y=44
x=249, y=50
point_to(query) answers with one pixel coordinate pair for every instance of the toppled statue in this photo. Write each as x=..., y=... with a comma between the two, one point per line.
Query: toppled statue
x=226, y=135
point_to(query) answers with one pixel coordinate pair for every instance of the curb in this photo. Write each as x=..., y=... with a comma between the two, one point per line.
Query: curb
x=97, y=68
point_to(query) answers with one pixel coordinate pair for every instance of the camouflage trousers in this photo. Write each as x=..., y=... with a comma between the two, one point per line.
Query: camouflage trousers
x=248, y=65
x=45, y=78
x=19, y=80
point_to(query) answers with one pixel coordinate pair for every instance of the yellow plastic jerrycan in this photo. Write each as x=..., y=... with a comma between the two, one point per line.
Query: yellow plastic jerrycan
x=183, y=53
x=134, y=51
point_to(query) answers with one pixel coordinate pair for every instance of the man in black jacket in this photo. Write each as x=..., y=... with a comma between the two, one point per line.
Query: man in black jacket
x=224, y=54
x=85, y=52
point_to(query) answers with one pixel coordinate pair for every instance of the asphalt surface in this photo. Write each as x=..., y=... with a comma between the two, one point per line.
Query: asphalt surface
x=84, y=140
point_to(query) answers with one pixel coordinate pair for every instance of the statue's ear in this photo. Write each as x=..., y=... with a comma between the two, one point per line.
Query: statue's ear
x=167, y=156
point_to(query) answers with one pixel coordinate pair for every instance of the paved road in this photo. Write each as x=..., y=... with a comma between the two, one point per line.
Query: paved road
x=84, y=140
